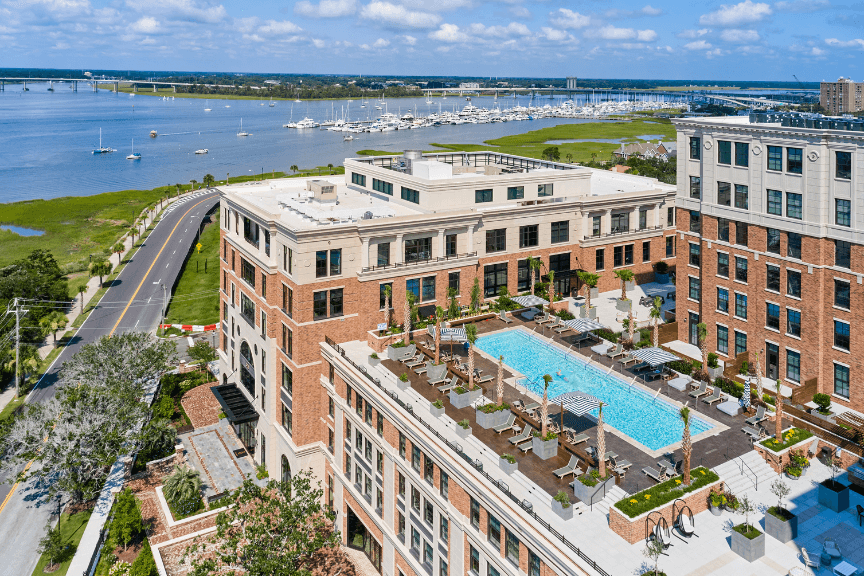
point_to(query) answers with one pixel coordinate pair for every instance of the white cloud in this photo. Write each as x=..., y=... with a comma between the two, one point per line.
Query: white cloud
x=520, y=12
x=568, y=19
x=145, y=25
x=381, y=43
x=816, y=51
x=512, y=29
x=326, y=8
x=554, y=34
x=449, y=33
x=408, y=39
x=797, y=6
x=437, y=5
x=698, y=45
x=274, y=28
x=651, y=11
x=713, y=53
x=856, y=43
x=395, y=15
x=185, y=10
x=739, y=36
x=646, y=35
x=737, y=14
x=613, y=33
x=319, y=43
x=694, y=33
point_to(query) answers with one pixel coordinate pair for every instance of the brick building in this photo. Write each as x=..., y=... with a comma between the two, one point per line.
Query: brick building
x=771, y=230
x=306, y=261
x=842, y=97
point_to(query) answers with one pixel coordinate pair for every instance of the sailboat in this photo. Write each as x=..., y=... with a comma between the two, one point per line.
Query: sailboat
x=272, y=104
x=241, y=132
x=208, y=107
x=102, y=150
x=134, y=155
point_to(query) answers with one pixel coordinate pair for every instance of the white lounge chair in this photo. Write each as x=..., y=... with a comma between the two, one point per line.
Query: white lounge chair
x=502, y=315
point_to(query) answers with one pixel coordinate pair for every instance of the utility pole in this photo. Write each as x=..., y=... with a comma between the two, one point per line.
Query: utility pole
x=18, y=311
x=164, y=305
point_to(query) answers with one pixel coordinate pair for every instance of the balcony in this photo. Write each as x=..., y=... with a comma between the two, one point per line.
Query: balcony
x=417, y=266
x=615, y=234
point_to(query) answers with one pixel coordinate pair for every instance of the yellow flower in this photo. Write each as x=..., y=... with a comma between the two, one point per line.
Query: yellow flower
x=647, y=496
x=703, y=472
x=632, y=501
x=677, y=481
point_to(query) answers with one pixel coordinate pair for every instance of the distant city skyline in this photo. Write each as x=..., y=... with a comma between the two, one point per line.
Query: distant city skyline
x=813, y=39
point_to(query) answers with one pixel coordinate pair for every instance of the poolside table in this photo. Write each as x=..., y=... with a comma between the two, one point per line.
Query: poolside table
x=845, y=569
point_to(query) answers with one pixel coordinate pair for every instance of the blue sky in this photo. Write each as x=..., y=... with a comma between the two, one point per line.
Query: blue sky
x=749, y=40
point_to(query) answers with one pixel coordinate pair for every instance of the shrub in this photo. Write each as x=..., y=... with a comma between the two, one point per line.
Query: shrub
x=664, y=493
x=608, y=335
x=438, y=403
x=681, y=366
x=790, y=437
x=661, y=267
x=509, y=458
x=465, y=424
x=182, y=485
x=745, y=368
x=769, y=399
x=403, y=377
x=373, y=355
x=561, y=498
x=564, y=314
x=712, y=360
x=824, y=403
x=549, y=436
x=793, y=471
x=144, y=564
x=399, y=344
x=490, y=408
x=261, y=472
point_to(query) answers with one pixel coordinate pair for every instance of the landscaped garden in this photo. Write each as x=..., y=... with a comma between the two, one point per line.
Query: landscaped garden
x=790, y=438
x=665, y=492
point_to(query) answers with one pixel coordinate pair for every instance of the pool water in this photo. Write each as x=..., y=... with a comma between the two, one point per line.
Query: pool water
x=652, y=422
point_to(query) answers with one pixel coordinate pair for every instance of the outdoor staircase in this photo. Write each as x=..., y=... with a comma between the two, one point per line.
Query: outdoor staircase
x=741, y=474
x=614, y=494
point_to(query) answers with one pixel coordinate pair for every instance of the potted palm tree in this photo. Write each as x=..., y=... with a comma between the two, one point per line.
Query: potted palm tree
x=545, y=444
x=492, y=415
x=437, y=408
x=626, y=277
x=590, y=281
x=439, y=317
x=463, y=397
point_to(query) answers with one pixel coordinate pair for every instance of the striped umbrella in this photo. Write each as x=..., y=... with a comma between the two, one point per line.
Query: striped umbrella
x=449, y=334
x=653, y=356
x=578, y=403
x=745, y=398
x=584, y=324
x=530, y=300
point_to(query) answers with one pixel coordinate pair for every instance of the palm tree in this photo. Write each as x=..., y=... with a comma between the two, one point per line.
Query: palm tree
x=500, y=384
x=294, y=168
x=133, y=231
x=758, y=376
x=193, y=183
x=388, y=291
x=625, y=276
x=178, y=189
x=569, y=158
x=590, y=280
x=183, y=484
x=439, y=317
x=654, y=314
x=82, y=288
x=53, y=322
x=778, y=417
x=702, y=335
x=330, y=168
x=100, y=269
x=406, y=316
x=118, y=249
x=686, y=444
x=544, y=407
x=533, y=264
x=551, y=288
x=601, y=444
x=471, y=336
x=208, y=180
x=631, y=326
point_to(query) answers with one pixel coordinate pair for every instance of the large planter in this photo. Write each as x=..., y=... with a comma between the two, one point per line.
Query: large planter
x=492, y=419
x=750, y=550
x=560, y=510
x=834, y=499
x=623, y=305
x=592, y=494
x=585, y=312
x=544, y=449
x=661, y=278
x=403, y=385
x=715, y=510
x=464, y=400
x=394, y=353
x=374, y=361
x=463, y=432
x=630, y=286
x=507, y=467
x=715, y=373
x=436, y=412
x=784, y=531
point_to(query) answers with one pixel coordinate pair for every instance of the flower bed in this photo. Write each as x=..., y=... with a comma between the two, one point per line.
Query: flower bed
x=490, y=408
x=593, y=478
x=790, y=438
x=665, y=492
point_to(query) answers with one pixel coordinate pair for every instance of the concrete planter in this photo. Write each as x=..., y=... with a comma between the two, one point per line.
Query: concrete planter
x=592, y=494
x=463, y=432
x=715, y=510
x=403, y=385
x=464, y=400
x=836, y=501
x=623, y=305
x=564, y=513
x=750, y=550
x=585, y=312
x=780, y=530
x=374, y=361
x=544, y=449
x=436, y=412
x=493, y=419
x=394, y=353
x=661, y=278
x=630, y=286
x=715, y=372
x=507, y=467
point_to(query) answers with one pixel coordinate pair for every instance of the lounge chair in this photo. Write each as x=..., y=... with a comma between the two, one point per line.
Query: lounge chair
x=759, y=417
x=655, y=475
x=615, y=352
x=521, y=437
x=717, y=396
x=754, y=434
x=525, y=447
x=621, y=466
x=442, y=380
x=571, y=468
x=808, y=561
x=511, y=421
x=417, y=361
x=701, y=391
x=531, y=407
x=653, y=374
x=629, y=359
x=562, y=327
x=414, y=356
x=502, y=315
x=487, y=378
x=424, y=368
x=518, y=404
x=454, y=383
x=541, y=319
x=576, y=439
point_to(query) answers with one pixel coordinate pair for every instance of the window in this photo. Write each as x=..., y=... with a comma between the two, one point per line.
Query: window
x=643, y=219
x=319, y=305
x=330, y=440
x=336, y=262
x=600, y=259
x=775, y=202
x=742, y=196
x=841, y=380
x=842, y=212
x=843, y=169
x=402, y=445
x=560, y=231
x=723, y=229
x=628, y=254
x=382, y=295
x=287, y=341
x=773, y=240
x=474, y=515
x=427, y=554
x=695, y=221
x=428, y=512
x=415, y=499
x=724, y=193
x=741, y=306
x=794, y=164
x=379, y=428
x=793, y=245
x=595, y=226
x=382, y=186
x=724, y=152
x=515, y=192
x=415, y=458
x=287, y=419
x=695, y=147
x=722, y=300
x=533, y=564
x=646, y=251
x=841, y=335
x=494, y=532
x=348, y=430
x=773, y=278
x=481, y=196
x=415, y=540
x=496, y=240
x=384, y=254
x=842, y=254
x=841, y=294
x=741, y=233
x=793, y=366
x=410, y=195
x=451, y=245
x=544, y=190
x=247, y=308
x=723, y=340
x=695, y=291
x=559, y=262
x=742, y=154
x=740, y=269
x=287, y=380
x=775, y=158
x=494, y=278
x=368, y=448
x=793, y=283
x=512, y=548
x=418, y=249
x=348, y=466
x=453, y=282
x=473, y=560
x=772, y=316
x=379, y=462
x=321, y=263
x=528, y=236
x=670, y=216
x=359, y=179
x=617, y=256
x=250, y=231
x=694, y=254
x=336, y=302
x=491, y=570
x=290, y=261
x=442, y=571
x=695, y=187
x=288, y=300
x=670, y=246
x=620, y=222
x=740, y=343
x=428, y=469
x=428, y=289
x=793, y=322
x=444, y=489
x=247, y=272
x=444, y=529
x=794, y=207
x=523, y=278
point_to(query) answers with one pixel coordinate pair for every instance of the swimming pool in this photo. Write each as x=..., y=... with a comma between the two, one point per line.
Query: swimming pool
x=652, y=422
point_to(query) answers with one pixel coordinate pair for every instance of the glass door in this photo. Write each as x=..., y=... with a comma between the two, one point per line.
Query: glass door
x=772, y=359
x=694, y=328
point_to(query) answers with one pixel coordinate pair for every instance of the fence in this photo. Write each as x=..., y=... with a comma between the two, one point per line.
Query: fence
x=476, y=464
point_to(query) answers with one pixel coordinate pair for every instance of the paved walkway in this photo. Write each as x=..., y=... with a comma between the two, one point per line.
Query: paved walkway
x=211, y=451
x=611, y=317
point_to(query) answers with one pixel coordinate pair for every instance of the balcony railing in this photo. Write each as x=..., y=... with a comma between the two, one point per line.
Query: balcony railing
x=418, y=262
x=618, y=232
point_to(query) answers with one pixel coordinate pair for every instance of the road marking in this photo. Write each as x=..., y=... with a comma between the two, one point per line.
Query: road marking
x=14, y=486
x=151, y=268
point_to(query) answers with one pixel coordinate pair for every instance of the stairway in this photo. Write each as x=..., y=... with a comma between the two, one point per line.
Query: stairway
x=740, y=482
x=612, y=496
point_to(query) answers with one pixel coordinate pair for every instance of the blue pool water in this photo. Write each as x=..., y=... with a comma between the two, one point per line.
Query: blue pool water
x=630, y=410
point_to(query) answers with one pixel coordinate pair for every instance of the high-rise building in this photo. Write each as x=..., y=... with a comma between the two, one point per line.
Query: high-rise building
x=771, y=228
x=842, y=97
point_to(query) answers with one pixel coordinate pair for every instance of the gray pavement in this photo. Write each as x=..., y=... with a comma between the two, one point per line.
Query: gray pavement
x=133, y=302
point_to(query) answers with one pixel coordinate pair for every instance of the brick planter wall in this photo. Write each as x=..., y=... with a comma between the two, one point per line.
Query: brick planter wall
x=633, y=529
x=779, y=460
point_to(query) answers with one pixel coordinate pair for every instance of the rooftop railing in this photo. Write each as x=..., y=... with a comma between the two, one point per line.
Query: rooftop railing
x=396, y=265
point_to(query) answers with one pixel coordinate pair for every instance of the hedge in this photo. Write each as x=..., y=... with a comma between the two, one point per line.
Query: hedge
x=790, y=437
x=665, y=492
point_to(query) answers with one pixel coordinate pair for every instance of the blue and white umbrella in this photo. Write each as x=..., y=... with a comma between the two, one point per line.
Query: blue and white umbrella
x=653, y=356
x=745, y=398
x=584, y=324
x=530, y=300
x=578, y=403
x=449, y=334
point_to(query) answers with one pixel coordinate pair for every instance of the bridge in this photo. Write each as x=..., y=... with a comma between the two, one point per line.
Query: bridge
x=94, y=83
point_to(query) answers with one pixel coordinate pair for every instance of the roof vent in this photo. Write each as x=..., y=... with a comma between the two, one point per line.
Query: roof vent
x=367, y=215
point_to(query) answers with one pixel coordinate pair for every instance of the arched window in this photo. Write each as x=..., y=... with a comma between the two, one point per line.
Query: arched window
x=247, y=368
x=286, y=469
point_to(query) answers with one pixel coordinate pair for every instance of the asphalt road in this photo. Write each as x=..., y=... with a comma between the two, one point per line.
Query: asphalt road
x=133, y=303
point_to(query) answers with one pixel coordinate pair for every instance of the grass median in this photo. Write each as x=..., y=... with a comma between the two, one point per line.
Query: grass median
x=196, y=296
x=71, y=530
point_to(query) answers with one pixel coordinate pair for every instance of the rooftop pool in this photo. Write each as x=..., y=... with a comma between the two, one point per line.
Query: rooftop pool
x=650, y=421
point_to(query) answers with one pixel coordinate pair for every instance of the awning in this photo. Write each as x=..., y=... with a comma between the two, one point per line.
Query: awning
x=578, y=403
x=449, y=334
x=584, y=324
x=530, y=300
x=234, y=403
x=654, y=356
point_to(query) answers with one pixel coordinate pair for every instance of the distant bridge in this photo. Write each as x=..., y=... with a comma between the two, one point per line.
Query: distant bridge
x=94, y=83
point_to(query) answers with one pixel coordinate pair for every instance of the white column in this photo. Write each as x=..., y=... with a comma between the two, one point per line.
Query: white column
x=470, y=238
x=364, y=256
x=658, y=213
x=441, y=250
x=399, y=257
x=634, y=219
x=606, y=222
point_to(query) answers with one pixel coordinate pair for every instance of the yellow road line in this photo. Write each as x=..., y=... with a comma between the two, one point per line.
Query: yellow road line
x=151, y=266
x=14, y=486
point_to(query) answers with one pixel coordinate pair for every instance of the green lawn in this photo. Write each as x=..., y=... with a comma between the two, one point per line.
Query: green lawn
x=196, y=298
x=71, y=528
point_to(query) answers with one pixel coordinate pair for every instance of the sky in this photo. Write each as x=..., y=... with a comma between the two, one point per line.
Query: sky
x=750, y=40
